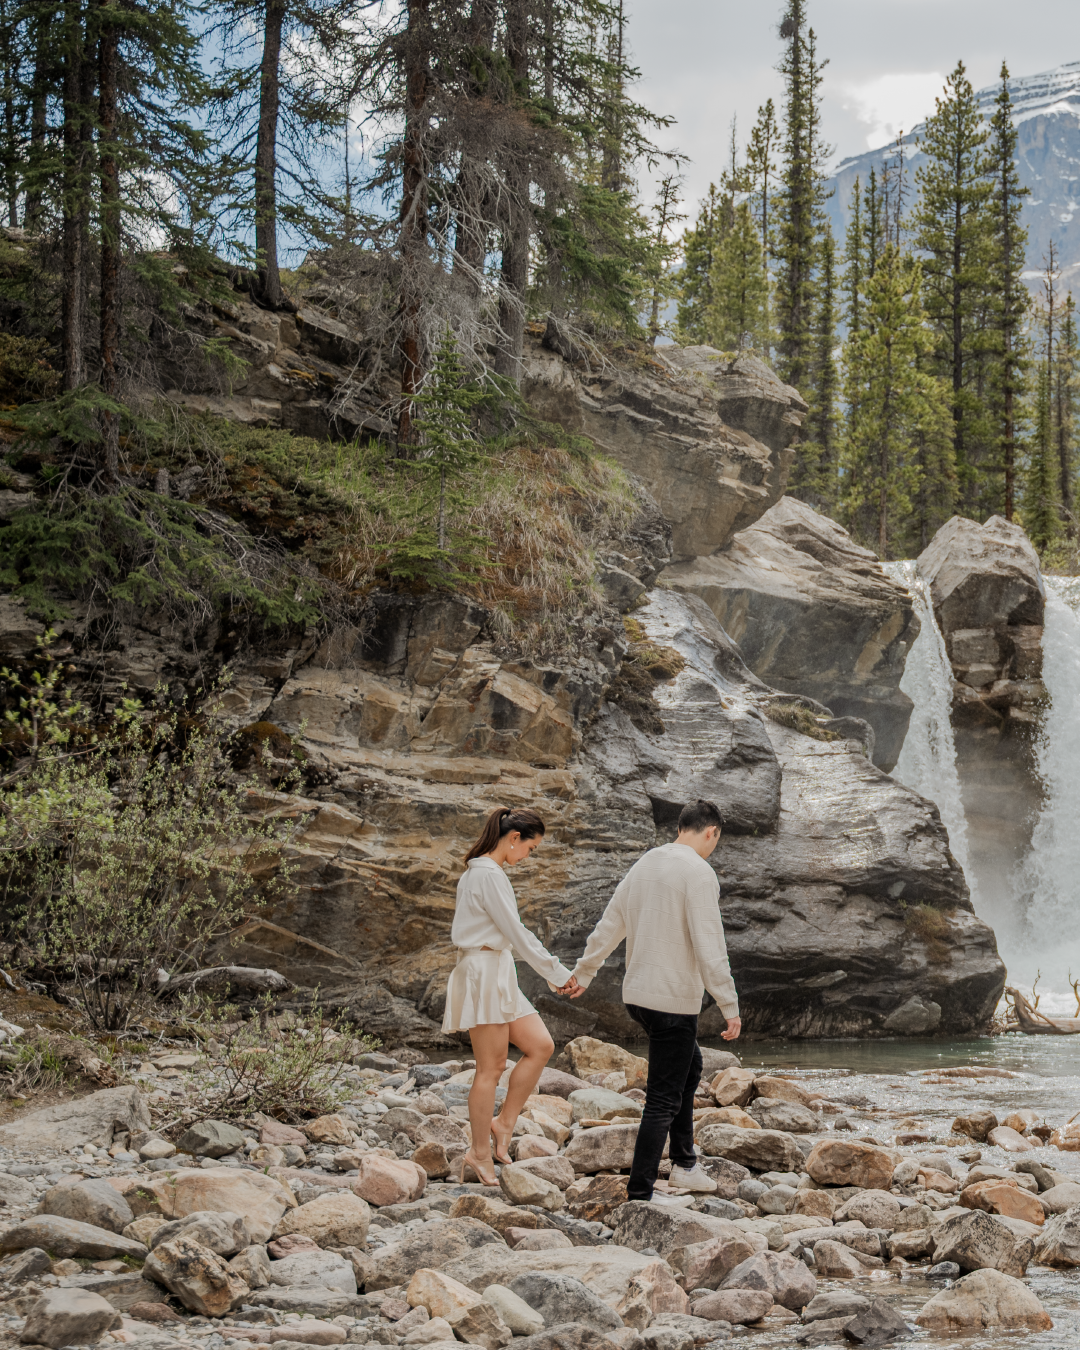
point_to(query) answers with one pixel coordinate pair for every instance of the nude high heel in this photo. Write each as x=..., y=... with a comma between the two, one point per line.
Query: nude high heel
x=470, y=1161
x=502, y=1154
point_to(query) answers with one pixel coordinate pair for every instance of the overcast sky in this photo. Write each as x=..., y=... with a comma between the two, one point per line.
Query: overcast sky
x=703, y=61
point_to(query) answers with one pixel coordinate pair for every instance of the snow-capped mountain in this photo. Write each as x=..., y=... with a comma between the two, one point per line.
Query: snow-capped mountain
x=1047, y=116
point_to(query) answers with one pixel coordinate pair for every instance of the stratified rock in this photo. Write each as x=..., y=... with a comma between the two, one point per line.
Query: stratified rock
x=841, y=1162
x=93, y=1202
x=339, y=1220
x=814, y=615
x=986, y=1298
x=68, y=1237
x=975, y=1241
x=67, y=1317
x=783, y=1276
x=210, y=1139
x=763, y=1150
x=84, y=1120
x=202, y=1282
x=640, y=1225
x=559, y=1298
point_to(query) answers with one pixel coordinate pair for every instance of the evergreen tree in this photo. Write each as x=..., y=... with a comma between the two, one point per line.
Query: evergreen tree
x=955, y=233
x=814, y=478
x=762, y=167
x=1042, y=517
x=1066, y=370
x=664, y=251
x=1010, y=296
x=798, y=213
x=740, y=288
x=896, y=439
x=854, y=262
x=700, y=248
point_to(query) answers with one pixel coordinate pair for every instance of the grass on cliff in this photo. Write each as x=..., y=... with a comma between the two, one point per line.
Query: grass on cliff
x=931, y=926
x=798, y=718
x=291, y=529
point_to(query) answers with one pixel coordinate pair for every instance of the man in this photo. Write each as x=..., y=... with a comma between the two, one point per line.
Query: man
x=667, y=908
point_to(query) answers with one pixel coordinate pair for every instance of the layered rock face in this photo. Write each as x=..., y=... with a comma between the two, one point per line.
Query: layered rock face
x=711, y=438
x=813, y=614
x=988, y=599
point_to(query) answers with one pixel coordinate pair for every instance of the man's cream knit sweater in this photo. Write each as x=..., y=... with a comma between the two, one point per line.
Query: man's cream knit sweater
x=667, y=907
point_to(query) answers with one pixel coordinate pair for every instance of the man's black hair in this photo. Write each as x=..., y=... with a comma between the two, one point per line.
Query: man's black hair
x=698, y=816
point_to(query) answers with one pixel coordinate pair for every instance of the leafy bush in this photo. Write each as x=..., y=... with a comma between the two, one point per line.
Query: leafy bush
x=124, y=853
x=25, y=372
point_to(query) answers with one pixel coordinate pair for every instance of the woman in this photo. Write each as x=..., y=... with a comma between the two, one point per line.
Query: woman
x=483, y=997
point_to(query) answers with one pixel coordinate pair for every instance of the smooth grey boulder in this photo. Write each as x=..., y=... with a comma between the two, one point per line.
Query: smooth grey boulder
x=85, y=1120
x=93, y=1202
x=834, y=1303
x=763, y=1150
x=210, y=1139
x=68, y=1237
x=773, y=1114
x=559, y=1298
x=67, y=1317
x=314, y=1270
x=783, y=1276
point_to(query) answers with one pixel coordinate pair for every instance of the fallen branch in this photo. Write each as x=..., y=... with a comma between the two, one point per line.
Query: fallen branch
x=227, y=977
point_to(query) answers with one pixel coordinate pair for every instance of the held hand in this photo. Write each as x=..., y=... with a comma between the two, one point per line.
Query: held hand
x=571, y=988
x=734, y=1026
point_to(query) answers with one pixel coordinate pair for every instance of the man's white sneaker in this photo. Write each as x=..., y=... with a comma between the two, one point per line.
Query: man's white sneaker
x=692, y=1179
x=680, y=1201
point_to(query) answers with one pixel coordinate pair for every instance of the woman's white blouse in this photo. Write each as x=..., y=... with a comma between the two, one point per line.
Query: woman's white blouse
x=487, y=916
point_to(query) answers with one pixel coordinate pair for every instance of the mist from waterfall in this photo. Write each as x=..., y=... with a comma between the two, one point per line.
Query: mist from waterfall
x=927, y=763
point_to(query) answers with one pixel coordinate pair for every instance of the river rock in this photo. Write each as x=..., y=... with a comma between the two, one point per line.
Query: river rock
x=814, y=1204
x=976, y=1241
x=535, y=1239
x=253, y=1267
x=561, y=1298
x=440, y=1295
x=1059, y=1242
x=998, y=1197
x=640, y=1224
x=783, y=1276
x=338, y=1220
x=68, y=1237
x=223, y=1234
x=554, y=1169
x=781, y=1090
x=331, y=1129
x=787, y=1116
x=880, y=1324
x=1010, y=1140
x=650, y=1293
x=833, y=1261
x=739, y=1306
x=703, y=1265
x=258, y=1199
x=1064, y=1196
x=519, y=1316
x=495, y=1213
x=386, y=1181
x=912, y=1246
x=985, y=1298
x=586, y=1055
x=839, y=1162
x=433, y=1246
x=600, y=1104
x=813, y=614
x=595, y=1198
x=763, y=1150
x=443, y=1130
x=210, y=1139
x=530, y=1146
x=834, y=1303
x=976, y=1124
x=876, y=1209
x=92, y=1202
x=733, y=1087
x=556, y=1083
x=607, y=1148
x=308, y=1332
x=521, y=1186
x=201, y=1280
x=67, y=1317
x=607, y=1269
x=93, y=1119
x=566, y=1336
x=314, y=1270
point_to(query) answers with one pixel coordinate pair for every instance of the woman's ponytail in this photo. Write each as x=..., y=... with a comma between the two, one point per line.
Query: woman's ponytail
x=501, y=821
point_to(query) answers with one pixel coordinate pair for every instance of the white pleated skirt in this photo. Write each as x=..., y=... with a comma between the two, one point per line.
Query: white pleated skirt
x=483, y=990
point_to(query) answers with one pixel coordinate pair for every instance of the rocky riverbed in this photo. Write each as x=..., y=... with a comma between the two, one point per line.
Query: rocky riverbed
x=865, y=1194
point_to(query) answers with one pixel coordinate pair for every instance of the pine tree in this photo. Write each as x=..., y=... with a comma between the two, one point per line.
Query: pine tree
x=814, y=478
x=799, y=202
x=1042, y=517
x=664, y=251
x=955, y=233
x=740, y=288
x=700, y=248
x=1010, y=298
x=896, y=439
x=761, y=170
x=854, y=262
x=1064, y=413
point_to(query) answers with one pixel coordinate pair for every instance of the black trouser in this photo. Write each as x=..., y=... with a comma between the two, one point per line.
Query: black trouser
x=675, y=1066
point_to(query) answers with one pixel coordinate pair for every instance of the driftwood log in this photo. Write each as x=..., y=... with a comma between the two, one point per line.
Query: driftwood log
x=1034, y=1023
x=214, y=978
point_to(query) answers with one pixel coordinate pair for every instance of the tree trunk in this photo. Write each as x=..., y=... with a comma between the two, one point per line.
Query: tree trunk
x=73, y=263
x=266, y=155
x=515, y=248
x=110, y=243
x=11, y=153
x=472, y=207
x=38, y=116
x=413, y=217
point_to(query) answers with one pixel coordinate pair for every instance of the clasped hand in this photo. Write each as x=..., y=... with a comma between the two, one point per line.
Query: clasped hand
x=571, y=988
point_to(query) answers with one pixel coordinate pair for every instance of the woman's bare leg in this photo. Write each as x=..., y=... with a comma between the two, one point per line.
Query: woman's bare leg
x=490, y=1043
x=534, y=1041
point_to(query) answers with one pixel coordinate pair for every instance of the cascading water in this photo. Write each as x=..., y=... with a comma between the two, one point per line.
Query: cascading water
x=1046, y=936
x=927, y=763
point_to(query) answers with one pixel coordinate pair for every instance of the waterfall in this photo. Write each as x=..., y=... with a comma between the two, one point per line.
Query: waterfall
x=1048, y=879
x=927, y=763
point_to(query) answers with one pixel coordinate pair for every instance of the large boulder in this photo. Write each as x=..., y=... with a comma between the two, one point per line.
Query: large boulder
x=68, y=1237
x=93, y=1202
x=337, y=1220
x=435, y=1246
x=710, y=436
x=641, y=1225
x=985, y=1298
x=1059, y=1242
x=200, y=1279
x=84, y=1120
x=782, y=1275
x=983, y=576
x=763, y=1150
x=67, y=1317
x=841, y=1162
x=562, y=1298
x=814, y=615
x=258, y=1199
x=976, y=1241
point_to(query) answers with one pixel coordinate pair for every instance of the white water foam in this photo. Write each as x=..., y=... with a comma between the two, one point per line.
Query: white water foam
x=927, y=763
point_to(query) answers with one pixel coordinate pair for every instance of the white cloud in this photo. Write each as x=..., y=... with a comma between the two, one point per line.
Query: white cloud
x=890, y=104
